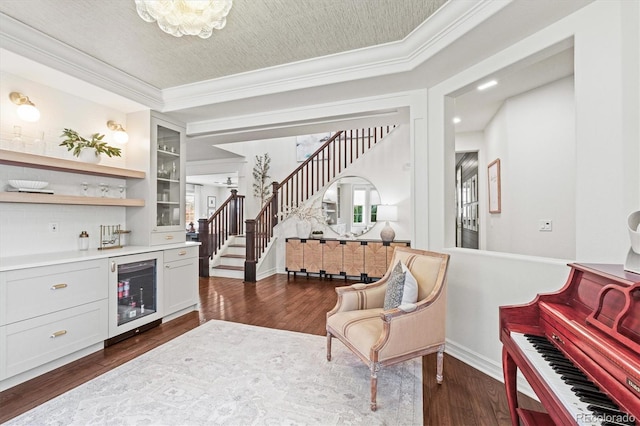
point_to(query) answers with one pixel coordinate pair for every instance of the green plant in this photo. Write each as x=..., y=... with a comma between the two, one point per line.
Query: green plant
x=260, y=175
x=77, y=143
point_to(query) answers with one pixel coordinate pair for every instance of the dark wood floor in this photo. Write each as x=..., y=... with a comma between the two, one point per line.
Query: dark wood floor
x=466, y=397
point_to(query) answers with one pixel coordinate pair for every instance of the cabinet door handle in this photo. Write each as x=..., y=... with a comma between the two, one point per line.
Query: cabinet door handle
x=113, y=266
x=58, y=334
x=169, y=237
x=58, y=286
x=182, y=253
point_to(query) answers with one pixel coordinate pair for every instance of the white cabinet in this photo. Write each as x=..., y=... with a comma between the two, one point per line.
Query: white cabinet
x=180, y=279
x=163, y=221
x=47, y=313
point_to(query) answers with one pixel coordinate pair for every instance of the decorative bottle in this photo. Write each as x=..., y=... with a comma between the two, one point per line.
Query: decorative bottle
x=83, y=241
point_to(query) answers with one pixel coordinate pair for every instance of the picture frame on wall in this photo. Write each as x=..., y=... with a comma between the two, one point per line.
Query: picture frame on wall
x=495, y=196
x=211, y=202
x=306, y=145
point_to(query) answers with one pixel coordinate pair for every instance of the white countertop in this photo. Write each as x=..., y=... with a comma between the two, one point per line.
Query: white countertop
x=56, y=258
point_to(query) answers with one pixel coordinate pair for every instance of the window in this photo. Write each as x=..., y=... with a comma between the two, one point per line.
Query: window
x=190, y=208
x=359, y=202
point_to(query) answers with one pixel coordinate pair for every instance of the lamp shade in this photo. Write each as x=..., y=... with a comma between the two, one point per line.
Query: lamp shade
x=387, y=212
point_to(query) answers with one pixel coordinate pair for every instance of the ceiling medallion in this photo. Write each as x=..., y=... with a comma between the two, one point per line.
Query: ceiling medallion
x=186, y=17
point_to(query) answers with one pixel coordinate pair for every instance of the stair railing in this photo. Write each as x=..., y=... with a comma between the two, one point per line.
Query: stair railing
x=327, y=162
x=213, y=232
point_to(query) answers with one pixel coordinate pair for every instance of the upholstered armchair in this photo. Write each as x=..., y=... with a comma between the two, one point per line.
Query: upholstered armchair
x=382, y=337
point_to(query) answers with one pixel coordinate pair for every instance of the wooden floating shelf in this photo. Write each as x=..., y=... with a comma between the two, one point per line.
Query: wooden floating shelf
x=32, y=198
x=14, y=158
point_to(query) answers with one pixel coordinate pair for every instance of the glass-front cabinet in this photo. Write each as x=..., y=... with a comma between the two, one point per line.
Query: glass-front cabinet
x=169, y=182
x=164, y=189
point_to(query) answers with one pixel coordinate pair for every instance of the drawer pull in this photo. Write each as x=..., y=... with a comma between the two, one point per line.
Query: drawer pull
x=58, y=286
x=182, y=253
x=58, y=334
x=169, y=237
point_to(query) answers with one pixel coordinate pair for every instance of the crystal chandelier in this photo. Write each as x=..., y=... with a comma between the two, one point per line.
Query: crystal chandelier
x=186, y=17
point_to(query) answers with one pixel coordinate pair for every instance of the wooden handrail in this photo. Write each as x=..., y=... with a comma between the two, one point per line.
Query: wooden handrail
x=327, y=162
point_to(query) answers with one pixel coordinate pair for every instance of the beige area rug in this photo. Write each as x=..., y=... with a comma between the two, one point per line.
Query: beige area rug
x=224, y=373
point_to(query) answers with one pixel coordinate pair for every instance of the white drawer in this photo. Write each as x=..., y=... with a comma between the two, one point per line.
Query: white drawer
x=180, y=253
x=159, y=238
x=32, y=292
x=31, y=343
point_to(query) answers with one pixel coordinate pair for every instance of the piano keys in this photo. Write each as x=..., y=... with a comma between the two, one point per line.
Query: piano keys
x=578, y=348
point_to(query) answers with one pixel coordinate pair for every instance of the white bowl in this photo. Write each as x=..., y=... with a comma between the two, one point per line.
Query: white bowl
x=27, y=184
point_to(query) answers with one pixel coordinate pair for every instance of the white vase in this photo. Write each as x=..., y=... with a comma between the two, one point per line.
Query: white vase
x=89, y=155
x=303, y=229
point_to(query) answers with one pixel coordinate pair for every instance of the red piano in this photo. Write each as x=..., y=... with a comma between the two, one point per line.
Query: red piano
x=578, y=348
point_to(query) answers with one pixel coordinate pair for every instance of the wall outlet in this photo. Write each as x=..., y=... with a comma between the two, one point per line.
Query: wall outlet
x=53, y=227
x=545, y=225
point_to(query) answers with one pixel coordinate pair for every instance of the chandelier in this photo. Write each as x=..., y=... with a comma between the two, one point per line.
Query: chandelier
x=186, y=17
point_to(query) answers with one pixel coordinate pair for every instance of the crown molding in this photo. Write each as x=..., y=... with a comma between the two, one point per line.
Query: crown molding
x=37, y=46
x=447, y=25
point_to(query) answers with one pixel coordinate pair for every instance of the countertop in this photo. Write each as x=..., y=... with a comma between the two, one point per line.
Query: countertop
x=56, y=258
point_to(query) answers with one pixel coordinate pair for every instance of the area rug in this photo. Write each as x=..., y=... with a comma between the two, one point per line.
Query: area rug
x=224, y=373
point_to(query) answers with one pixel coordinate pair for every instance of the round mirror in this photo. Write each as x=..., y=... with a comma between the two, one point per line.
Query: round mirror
x=349, y=205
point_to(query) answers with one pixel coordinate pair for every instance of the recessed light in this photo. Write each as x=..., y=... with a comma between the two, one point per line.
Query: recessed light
x=488, y=84
x=456, y=120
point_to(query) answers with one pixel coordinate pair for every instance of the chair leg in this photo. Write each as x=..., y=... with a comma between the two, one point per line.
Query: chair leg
x=440, y=359
x=374, y=385
x=329, y=336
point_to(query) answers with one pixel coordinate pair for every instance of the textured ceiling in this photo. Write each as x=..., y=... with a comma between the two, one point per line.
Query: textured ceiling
x=259, y=34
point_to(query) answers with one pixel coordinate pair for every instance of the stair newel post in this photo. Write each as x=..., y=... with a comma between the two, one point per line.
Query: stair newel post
x=250, y=257
x=233, y=213
x=204, y=251
x=274, y=204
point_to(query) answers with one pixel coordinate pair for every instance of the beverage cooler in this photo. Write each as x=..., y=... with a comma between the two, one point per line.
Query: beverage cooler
x=135, y=294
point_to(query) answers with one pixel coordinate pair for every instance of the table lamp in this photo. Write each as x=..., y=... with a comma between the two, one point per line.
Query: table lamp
x=387, y=213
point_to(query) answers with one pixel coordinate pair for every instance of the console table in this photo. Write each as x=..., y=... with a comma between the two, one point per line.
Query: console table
x=364, y=259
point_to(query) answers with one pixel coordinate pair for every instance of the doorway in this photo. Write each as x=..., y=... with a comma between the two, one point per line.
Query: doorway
x=467, y=226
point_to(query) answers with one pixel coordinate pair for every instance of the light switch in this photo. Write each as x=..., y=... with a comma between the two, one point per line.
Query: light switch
x=545, y=225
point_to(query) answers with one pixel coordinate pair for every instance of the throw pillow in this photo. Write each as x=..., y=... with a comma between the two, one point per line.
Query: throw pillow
x=395, y=288
x=410, y=293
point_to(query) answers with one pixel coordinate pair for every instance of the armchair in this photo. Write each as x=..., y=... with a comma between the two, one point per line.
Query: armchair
x=384, y=337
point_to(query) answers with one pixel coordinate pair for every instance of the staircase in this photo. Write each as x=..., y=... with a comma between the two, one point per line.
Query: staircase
x=236, y=251
x=229, y=263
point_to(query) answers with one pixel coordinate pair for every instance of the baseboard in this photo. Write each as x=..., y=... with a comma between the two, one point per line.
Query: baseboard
x=486, y=365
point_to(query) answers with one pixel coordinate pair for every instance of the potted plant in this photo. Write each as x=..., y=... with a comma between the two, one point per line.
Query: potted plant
x=304, y=216
x=85, y=149
x=317, y=234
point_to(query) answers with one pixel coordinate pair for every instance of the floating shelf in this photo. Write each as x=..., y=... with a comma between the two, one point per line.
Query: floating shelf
x=32, y=198
x=59, y=164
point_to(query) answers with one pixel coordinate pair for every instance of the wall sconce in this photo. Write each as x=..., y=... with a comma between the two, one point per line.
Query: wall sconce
x=119, y=133
x=27, y=111
x=387, y=213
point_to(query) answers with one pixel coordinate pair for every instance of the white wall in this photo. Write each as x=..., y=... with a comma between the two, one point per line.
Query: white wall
x=24, y=227
x=533, y=135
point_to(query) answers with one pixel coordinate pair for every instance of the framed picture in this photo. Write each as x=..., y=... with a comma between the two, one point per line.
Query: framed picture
x=495, y=201
x=211, y=203
x=308, y=144
x=210, y=212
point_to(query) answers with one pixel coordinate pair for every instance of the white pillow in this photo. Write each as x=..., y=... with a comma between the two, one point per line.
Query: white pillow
x=410, y=294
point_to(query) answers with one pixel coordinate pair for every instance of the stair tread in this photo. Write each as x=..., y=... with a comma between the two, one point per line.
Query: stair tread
x=237, y=245
x=235, y=256
x=233, y=268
